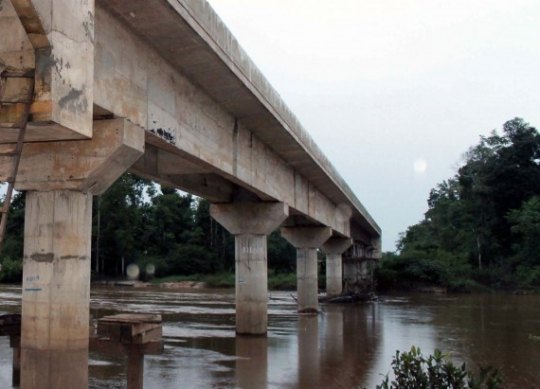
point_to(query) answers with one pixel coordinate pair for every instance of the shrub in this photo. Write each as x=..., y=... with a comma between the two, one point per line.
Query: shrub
x=219, y=280
x=413, y=371
x=528, y=276
x=281, y=281
x=406, y=272
x=11, y=270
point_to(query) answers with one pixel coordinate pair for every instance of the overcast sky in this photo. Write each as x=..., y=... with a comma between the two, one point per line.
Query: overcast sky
x=395, y=91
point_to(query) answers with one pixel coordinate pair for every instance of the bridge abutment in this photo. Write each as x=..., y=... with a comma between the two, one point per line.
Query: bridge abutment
x=250, y=223
x=334, y=248
x=307, y=240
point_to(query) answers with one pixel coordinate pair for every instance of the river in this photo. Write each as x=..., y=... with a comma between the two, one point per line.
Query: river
x=345, y=346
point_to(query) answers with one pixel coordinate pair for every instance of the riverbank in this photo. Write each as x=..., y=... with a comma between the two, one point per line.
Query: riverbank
x=276, y=281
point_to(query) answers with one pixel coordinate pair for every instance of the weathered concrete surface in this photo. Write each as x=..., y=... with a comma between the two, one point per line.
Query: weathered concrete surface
x=60, y=178
x=250, y=218
x=358, y=264
x=306, y=237
x=60, y=47
x=334, y=248
x=172, y=68
x=250, y=223
x=307, y=240
x=307, y=280
x=86, y=165
x=56, y=290
x=182, y=93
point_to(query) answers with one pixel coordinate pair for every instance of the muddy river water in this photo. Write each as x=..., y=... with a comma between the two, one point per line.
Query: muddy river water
x=345, y=346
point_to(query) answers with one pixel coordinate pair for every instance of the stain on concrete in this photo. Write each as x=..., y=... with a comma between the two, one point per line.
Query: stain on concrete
x=44, y=60
x=1, y=5
x=166, y=135
x=82, y=257
x=236, y=137
x=47, y=257
x=88, y=26
x=75, y=101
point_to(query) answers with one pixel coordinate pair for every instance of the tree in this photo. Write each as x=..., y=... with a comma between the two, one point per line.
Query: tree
x=12, y=250
x=525, y=223
x=479, y=216
x=121, y=229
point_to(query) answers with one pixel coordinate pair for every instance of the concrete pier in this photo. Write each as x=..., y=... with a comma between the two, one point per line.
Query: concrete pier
x=250, y=223
x=56, y=289
x=334, y=248
x=307, y=240
x=61, y=178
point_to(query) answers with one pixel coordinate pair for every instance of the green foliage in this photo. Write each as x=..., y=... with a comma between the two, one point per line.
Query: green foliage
x=534, y=338
x=281, y=254
x=220, y=280
x=135, y=221
x=281, y=281
x=12, y=250
x=174, y=232
x=414, y=371
x=525, y=227
x=483, y=224
x=418, y=268
x=11, y=270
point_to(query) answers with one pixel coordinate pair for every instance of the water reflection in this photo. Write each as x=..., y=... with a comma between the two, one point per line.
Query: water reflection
x=342, y=347
x=252, y=362
x=309, y=358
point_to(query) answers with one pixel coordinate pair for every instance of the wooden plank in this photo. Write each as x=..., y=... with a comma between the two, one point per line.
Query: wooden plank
x=133, y=318
x=130, y=328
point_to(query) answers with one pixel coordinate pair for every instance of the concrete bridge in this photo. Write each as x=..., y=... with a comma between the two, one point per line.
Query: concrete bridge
x=160, y=88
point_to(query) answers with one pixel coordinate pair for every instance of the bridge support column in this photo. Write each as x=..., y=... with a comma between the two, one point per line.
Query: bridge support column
x=334, y=248
x=307, y=240
x=60, y=179
x=56, y=289
x=250, y=223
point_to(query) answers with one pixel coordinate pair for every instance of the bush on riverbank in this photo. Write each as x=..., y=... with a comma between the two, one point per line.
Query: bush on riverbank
x=414, y=371
x=281, y=281
x=11, y=270
x=411, y=273
x=217, y=280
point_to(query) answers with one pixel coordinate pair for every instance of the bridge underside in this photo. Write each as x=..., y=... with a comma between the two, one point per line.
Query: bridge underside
x=162, y=89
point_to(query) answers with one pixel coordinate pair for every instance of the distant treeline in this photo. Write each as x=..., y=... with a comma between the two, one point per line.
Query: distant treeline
x=482, y=226
x=136, y=221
